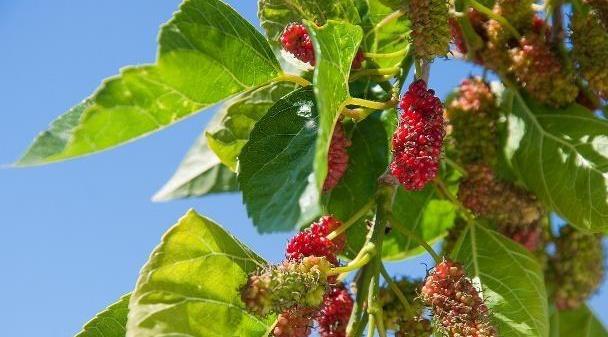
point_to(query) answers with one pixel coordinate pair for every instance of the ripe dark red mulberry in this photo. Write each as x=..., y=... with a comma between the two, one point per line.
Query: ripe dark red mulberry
x=577, y=268
x=295, y=40
x=419, y=137
x=313, y=241
x=337, y=158
x=457, y=307
x=294, y=322
x=335, y=312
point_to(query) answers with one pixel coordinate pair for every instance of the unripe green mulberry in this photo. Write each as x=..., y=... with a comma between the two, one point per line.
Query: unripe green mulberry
x=540, y=72
x=590, y=50
x=415, y=327
x=430, y=28
x=577, y=269
x=473, y=116
x=601, y=7
x=519, y=13
x=393, y=311
x=495, y=54
x=292, y=283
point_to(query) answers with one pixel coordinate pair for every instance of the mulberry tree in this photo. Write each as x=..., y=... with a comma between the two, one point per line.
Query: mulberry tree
x=330, y=127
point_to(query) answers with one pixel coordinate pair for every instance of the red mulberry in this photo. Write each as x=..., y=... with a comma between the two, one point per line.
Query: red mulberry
x=278, y=288
x=590, y=50
x=337, y=161
x=313, y=241
x=540, y=72
x=577, y=268
x=294, y=322
x=457, y=308
x=418, y=140
x=295, y=40
x=335, y=312
x=430, y=28
x=473, y=115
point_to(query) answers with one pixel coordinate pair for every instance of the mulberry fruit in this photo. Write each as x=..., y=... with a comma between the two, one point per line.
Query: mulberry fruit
x=313, y=241
x=393, y=311
x=430, y=28
x=473, y=115
x=576, y=269
x=335, y=312
x=294, y=322
x=457, y=308
x=590, y=50
x=415, y=327
x=518, y=12
x=291, y=283
x=295, y=40
x=502, y=202
x=539, y=71
x=419, y=137
x=337, y=161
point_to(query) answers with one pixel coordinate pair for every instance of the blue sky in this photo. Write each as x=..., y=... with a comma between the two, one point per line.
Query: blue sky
x=75, y=234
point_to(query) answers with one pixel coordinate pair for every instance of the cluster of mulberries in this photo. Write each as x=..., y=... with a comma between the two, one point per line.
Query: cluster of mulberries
x=393, y=311
x=419, y=137
x=473, y=115
x=335, y=312
x=430, y=28
x=337, y=159
x=516, y=212
x=576, y=268
x=590, y=50
x=313, y=241
x=458, y=309
x=539, y=71
x=290, y=284
x=296, y=41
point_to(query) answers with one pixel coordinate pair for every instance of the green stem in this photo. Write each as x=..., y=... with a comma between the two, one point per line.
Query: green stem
x=456, y=166
x=380, y=323
x=353, y=219
x=445, y=192
x=371, y=326
x=358, y=319
x=407, y=232
x=374, y=72
x=391, y=283
x=370, y=104
x=397, y=53
x=364, y=257
x=294, y=79
x=490, y=13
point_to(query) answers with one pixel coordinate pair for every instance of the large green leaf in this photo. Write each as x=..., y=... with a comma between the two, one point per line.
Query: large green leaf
x=276, y=14
x=511, y=279
x=237, y=117
x=200, y=62
x=111, y=322
x=562, y=156
x=200, y=173
x=580, y=322
x=191, y=285
x=422, y=213
x=387, y=32
x=336, y=44
x=276, y=165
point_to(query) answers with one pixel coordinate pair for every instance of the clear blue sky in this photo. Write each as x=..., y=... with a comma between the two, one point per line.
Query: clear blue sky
x=75, y=234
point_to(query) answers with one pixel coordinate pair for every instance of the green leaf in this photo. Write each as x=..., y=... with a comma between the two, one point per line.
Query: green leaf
x=200, y=63
x=387, y=31
x=422, y=213
x=237, y=117
x=191, y=285
x=562, y=156
x=111, y=322
x=276, y=14
x=276, y=165
x=581, y=322
x=200, y=173
x=511, y=279
x=336, y=44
